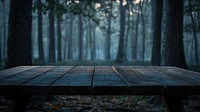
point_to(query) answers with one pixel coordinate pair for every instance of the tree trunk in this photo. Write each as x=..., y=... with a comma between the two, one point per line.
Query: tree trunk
x=194, y=34
x=66, y=39
x=19, y=38
x=134, y=55
x=86, y=39
x=107, y=40
x=51, y=32
x=188, y=46
x=94, y=41
x=198, y=19
x=132, y=39
x=80, y=39
x=0, y=44
x=59, y=39
x=70, y=48
x=157, y=6
x=127, y=32
x=90, y=38
x=172, y=42
x=191, y=51
x=143, y=31
x=40, y=32
x=1, y=22
x=59, y=36
x=4, y=30
x=120, y=55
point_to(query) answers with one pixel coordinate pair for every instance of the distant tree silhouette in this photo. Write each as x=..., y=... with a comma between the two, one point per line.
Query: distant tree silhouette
x=51, y=31
x=40, y=32
x=80, y=37
x=120, y=53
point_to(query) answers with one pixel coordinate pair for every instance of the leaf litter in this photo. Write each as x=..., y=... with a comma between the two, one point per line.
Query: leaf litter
x=64, y=103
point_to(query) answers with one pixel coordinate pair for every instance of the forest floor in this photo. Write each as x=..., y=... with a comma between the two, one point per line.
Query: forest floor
x=98, y=104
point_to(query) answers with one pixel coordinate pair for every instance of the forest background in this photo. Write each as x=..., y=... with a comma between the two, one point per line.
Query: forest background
x=100, y=32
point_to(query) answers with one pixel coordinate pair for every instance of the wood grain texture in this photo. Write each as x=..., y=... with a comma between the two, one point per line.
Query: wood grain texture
x=42, y=83
x=192, y=77
x=10, y=85
x=140, y=84
x=106, y=81
x=12, y=71
x=99, y=80
x=75, y=82
x=169, y=82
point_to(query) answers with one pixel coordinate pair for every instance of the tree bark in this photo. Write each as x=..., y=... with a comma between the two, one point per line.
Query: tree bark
x=192, y=51
x=80, y=39
x=172, y=42
x=19, y=38
x=157, y=6
x=40, y=32
x=194, y=33
x=132, y=39
x=127, y=31
x=4, y=30
x=198, y=19
x=59, y=36
x=107, y=40
x=94, y=41
x=66, y=39
x=1, y=22
x=59, y=39
x=51, y=32
x=134, y=55
x=90, y=38
x=70, y=48
x=143, y=31
x=86, y=38
x=120, y=55
x=0, y=43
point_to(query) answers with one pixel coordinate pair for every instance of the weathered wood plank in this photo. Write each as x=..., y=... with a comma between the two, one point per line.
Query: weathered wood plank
x=76, y=82
x=10, y=85
x=106, y=81
x=192, y=77
x=8, y=72
x=42, y=83
x=189, y=76
x=140, y=84
x=170, y=83
x=99, y=80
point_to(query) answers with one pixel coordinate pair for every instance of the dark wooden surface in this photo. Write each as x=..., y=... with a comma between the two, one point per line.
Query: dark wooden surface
x=99, y=80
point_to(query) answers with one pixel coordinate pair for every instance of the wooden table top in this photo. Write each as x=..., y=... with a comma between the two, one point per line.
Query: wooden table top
x=99, y=80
